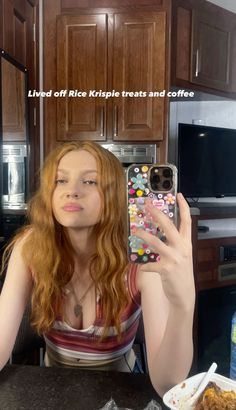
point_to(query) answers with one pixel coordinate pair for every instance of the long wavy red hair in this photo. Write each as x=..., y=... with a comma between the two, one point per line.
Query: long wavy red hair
x=48, y=253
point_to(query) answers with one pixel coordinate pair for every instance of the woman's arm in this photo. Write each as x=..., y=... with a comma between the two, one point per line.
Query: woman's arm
x=13, y=299
x=168, y=296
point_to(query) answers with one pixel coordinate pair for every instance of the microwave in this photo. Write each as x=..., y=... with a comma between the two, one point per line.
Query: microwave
x=14, y=176
x=133, y=153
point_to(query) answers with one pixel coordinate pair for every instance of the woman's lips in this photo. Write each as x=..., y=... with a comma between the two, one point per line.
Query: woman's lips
x=72, y=208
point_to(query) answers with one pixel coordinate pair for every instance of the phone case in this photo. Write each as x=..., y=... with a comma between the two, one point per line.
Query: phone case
x=145, y=182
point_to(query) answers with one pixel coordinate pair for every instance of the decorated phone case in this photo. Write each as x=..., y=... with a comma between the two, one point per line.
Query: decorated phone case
x=157, y=183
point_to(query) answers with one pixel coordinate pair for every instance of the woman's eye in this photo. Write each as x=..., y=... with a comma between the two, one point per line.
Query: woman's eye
x=89, y=182
x=60, y=181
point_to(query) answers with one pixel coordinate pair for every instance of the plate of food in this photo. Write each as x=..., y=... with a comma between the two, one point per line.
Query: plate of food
x=220, y=394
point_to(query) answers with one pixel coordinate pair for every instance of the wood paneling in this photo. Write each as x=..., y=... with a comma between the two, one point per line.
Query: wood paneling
x=136, y=57
x=206, y=276
x=19, y=38
x=13, y=107
x=211, y=51
x=1, y=24
x=206, y=255
x=82, y=67
x=183, y=43
x=14, y=33
x=203, y=47
x=65, y=4
x=51, y=10
x=139, y=65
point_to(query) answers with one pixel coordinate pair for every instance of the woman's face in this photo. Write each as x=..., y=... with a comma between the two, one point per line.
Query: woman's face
x=76, y=200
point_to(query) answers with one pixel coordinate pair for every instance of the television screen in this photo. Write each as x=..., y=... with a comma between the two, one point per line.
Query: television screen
x=206, y=161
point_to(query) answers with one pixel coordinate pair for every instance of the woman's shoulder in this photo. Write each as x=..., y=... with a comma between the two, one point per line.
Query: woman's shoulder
x=15, y=255
x=22, y=237
x=16, y=248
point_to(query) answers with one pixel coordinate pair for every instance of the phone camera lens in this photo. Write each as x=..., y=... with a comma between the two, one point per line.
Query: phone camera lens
x=155, y=178
x=166, y=184
x=167, y=173
x=154, y=186
x=161, y=178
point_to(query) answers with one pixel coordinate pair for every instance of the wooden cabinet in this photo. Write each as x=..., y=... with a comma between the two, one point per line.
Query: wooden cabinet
x=118, y=46
x=211, y=270
x=19, y=22
x=17, y=29
x=215, y=279
x=211, y=51
x=203, y=46
x=139, y=48
x=13, y=109
x=14, y=28
x=136, y=44
x=81, y=68
x=119, y=49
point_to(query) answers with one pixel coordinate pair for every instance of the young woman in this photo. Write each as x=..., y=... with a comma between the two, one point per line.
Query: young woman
x=86, y=298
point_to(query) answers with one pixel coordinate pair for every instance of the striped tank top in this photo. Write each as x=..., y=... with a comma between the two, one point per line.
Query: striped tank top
x=67, y=346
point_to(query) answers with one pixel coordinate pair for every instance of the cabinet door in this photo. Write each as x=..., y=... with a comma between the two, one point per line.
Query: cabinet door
x=17, y=29
x=81, y=66
x=19, y=37
x=139, y=65
x=211, y=51
x=13, y=110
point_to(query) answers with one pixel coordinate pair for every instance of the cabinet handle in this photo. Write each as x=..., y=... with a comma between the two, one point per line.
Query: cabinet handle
x=102, y=122
x=197, y=64
x=115, y=120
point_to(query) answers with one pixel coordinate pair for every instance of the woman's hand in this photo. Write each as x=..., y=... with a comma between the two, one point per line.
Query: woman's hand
x=175, y=266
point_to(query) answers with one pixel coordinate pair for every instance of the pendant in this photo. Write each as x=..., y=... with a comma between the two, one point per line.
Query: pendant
x=78, y=310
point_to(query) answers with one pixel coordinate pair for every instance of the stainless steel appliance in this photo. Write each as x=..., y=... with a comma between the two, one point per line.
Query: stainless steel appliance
x=134, y=153
x=14, y=142
x=14, y=176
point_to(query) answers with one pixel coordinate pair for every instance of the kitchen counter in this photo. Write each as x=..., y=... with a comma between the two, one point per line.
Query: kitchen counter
x=205, y=209
x=34, y=388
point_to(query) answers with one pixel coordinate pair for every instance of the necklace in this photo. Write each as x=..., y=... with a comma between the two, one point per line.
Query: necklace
x=78, y=308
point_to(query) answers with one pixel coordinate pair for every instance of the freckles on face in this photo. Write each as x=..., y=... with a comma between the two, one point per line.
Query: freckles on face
x=76, y=200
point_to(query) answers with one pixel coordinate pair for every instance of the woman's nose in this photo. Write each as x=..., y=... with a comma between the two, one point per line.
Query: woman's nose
x=72, y=195
x=74, y=190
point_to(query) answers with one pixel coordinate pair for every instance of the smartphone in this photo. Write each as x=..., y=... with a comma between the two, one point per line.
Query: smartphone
x=157, y=183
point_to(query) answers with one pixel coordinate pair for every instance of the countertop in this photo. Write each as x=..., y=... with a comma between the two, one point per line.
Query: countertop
x=203, y=209
x=41, y=388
